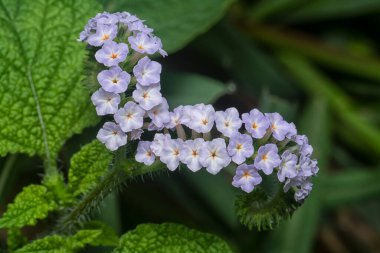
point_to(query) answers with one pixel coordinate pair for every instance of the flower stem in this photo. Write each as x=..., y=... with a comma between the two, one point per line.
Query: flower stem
x=11, y=159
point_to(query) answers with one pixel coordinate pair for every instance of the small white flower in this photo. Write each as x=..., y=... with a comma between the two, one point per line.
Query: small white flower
x=171, y=153
x=112, y=136
x=201, y=117
x=190, y=154
x=130, y=117
x=177, y=117
x=105, y=102
x=144, y=153
x=147, y=96
x=214, y=155
x=228, y=122
x=159, y=142
x=160, y=114
x=240, y=147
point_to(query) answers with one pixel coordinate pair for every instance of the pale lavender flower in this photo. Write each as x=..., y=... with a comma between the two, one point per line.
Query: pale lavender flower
x=287, y=167
x=153, y=127
x=267, y=158
x=255, y=123
x=160, y=114
x=302, y=193
x=112, y=136
x=130, y=117
x=159, y=143
x=106, y=18
x=228, y=122
x=147, y=96
x=147, y=72
x=240, y=147
x=139, y=26
x=278, y=126
x=303, y=143
x=144, y=153
x=171, y=153
x=308, y=167
x=246, y=178
x=201, y=117
x=103, y=33
x=143, y=43
x=161, y=51
x=112, y=53
x=214, y=155
x=177, y=117
x=190, y=154
x=292, y=131
x=114, y=80
x=105, y=102
x=136, y=134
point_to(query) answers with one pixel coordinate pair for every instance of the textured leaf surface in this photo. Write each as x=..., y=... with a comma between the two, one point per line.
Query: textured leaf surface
x=60, y=244
x=169, y=238
x=33, y=203
x=42, y=100
x=176, y=22
x=90, y=163
x=107, y=237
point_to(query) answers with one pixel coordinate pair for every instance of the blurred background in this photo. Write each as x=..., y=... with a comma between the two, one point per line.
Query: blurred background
x=316, y=62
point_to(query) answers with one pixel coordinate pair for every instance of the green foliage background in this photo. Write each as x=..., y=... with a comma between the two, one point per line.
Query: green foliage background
x=316, y=62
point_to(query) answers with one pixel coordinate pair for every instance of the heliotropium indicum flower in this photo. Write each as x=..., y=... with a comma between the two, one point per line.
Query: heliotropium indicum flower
x=186, y=135
x=246, y=178
x=214, y=155
x=256, y=123
x=147, y=72
x=130, y=117
x=240, y=147
x=112, y=136
x=105, y=102
x=112, y=53
x=267, y=158
x=228, y=122
x=114, y=80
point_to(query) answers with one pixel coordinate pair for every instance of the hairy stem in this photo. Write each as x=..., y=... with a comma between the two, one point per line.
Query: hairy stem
x=119, y=173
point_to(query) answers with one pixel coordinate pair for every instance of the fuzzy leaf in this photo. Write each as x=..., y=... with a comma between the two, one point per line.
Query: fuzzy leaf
x=60, y=244
x=42, y=100
x=32, y=204
x=177, y=22
x=107, y=237
x=89, y=164
x=170, y=238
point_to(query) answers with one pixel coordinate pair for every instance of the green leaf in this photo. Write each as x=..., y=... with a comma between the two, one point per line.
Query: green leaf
x=353, y=126
x=87, y=166
x=107, y=237
x=250, y=67
x=32, y=204
x=322, y=10
x=61, y=244
x=169, y=238
x=176, y=22
x=351, y=186
x=185, y=88
x=42, y=100
x=15, y=239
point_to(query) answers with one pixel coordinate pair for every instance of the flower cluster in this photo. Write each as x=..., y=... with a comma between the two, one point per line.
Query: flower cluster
x=194, y=135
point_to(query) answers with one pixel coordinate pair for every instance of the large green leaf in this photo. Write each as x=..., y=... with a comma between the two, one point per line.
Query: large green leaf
x=177, y=22
x=183, y=88
x=33, y=203
x=169, y=238
x=42, y=100
x=61, y=244
x=87, y=166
